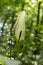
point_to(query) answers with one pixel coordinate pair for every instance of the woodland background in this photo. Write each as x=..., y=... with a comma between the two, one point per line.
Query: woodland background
x=31, y=49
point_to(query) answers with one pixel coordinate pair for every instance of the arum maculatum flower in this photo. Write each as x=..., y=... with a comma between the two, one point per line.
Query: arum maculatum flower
x=19, y=26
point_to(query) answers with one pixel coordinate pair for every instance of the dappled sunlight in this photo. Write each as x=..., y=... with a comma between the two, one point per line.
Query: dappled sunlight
x=21, y=32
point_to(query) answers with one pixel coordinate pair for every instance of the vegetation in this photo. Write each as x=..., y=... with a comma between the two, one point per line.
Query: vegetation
x=30, y=49
x=2, y=61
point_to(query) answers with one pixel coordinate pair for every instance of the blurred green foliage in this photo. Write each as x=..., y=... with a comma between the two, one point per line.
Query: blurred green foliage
x=32, y=46
x=2, y=61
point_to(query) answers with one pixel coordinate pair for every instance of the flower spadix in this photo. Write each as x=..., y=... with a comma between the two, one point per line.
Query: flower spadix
x=19, y=26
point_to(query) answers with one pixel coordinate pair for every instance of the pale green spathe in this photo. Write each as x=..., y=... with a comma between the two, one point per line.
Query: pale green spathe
x=19, y=26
